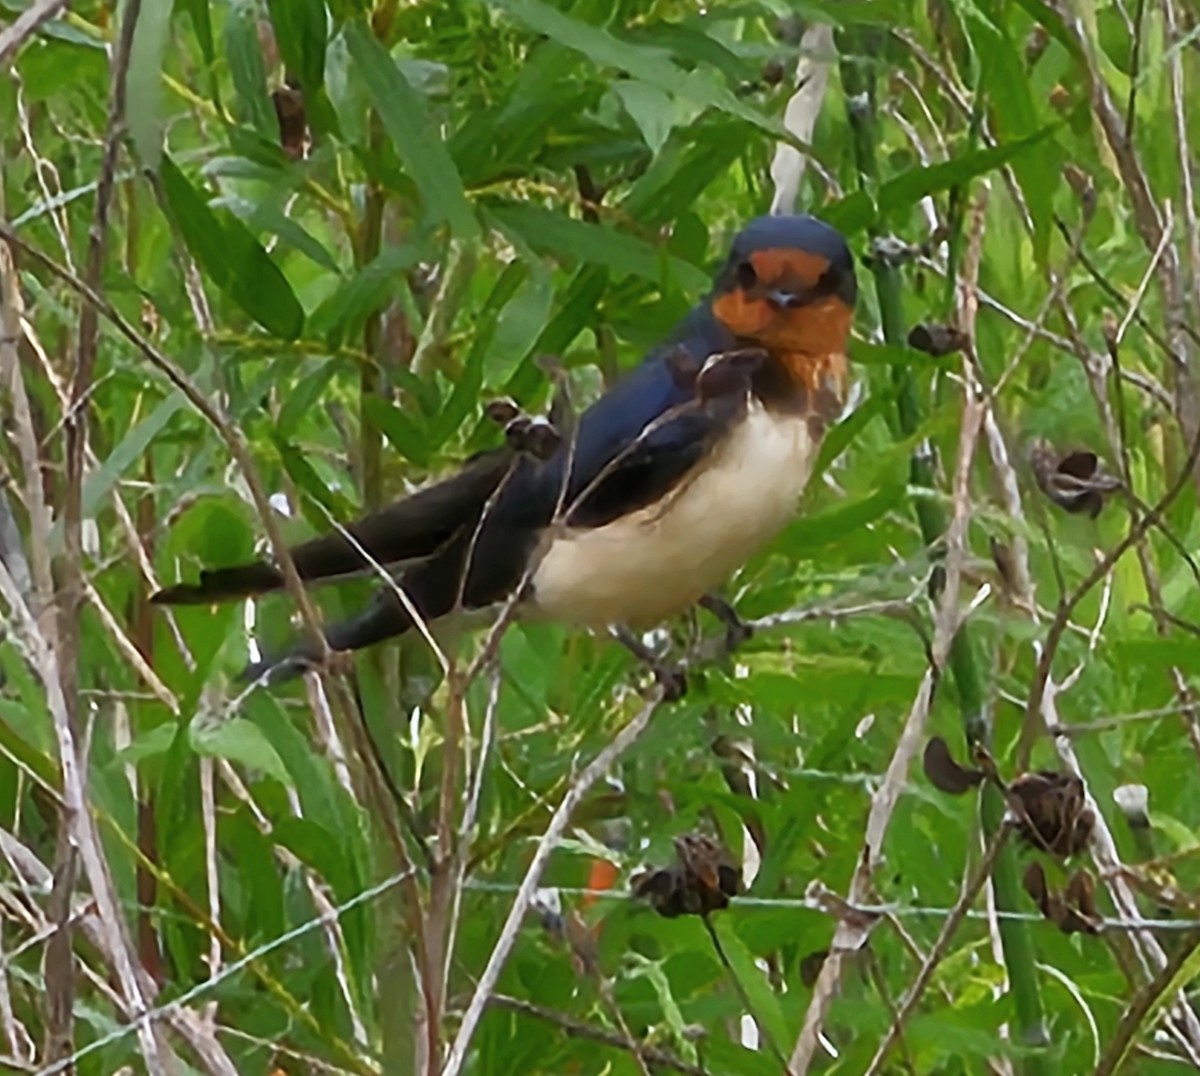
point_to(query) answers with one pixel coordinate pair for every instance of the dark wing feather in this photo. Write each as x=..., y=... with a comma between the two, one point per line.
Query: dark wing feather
x=412, y=528
x=640, y=439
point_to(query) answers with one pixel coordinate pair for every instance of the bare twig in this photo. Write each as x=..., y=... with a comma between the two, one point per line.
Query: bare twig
x=940, y=947
x=25, y=26
x=1148, y=999
x=851, y=933
x=580, y=1030
x=545, y=847
x=1068, y=604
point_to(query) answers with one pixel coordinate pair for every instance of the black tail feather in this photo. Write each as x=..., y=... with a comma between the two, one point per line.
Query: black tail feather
x=411, y=529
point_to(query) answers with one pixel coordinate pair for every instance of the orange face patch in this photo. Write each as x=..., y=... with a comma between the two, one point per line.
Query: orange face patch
x=816, y=328
x=781, y=267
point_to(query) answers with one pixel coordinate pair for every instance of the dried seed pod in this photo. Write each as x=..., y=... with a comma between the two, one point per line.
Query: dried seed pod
x=945, y=773
x=1076, y=481
x=1052, y=811
x=937, y=340
x=702, y=880
x=1084, y=187
x=1074, y=911
x=773, y=72
x=293, y=121
x=1002, y=558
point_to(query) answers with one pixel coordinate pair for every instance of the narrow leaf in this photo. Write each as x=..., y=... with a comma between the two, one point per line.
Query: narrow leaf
x=232, y=257
x=548, y=232
x=404, y=433
x=301, y=33
x=248, y=71
x=143, y=109
x=239, y=740
x=753, y=981
x=202, y=24
x=414, y=135
x=910, y=187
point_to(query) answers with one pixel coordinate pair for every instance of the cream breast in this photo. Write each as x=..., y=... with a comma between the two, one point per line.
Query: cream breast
x=657, y=561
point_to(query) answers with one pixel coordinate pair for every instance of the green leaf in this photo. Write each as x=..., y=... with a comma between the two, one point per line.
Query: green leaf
x=855, y=212
x=143, y=88
x=241, y=741
x=655, y=112
x=232, y=257
x=889, y=355
x=198, y=12
x=316, y=846
x=302, y=397
x=653, y=66
x=548, y=232
x=469, y=382
x=910, y=187
x=309, y=482
x=520, y=324
x=416, y=139
x=753, y=980
x=823, y=529
x=344, y=313
x=840, y=437
x=157, y=741
x=268, y=216
x=131, y=448
x=1006, y=83
x=404, y=433
x=249, y=73
x=301, y=34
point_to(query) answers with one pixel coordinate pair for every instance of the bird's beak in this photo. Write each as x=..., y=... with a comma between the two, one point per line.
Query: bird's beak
x=784, y=298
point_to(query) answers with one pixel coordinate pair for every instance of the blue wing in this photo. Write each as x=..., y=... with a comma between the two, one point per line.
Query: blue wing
x=636, y=442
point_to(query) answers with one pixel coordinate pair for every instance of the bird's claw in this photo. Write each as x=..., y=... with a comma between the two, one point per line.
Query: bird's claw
x=737, y=631
x=672, y=679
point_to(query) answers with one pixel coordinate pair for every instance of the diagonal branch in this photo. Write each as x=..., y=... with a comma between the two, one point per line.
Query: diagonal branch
x=541, y=856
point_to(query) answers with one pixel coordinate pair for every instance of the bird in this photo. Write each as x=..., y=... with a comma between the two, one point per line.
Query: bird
x=670, y=481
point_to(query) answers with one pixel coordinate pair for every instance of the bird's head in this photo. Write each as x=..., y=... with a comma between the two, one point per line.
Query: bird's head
x=788, y=287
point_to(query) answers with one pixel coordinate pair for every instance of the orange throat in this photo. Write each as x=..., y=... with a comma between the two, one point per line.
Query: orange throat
x=821, y=380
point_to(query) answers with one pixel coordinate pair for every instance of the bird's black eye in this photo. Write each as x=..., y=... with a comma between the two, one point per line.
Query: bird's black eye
x=828, y=282
x=746, y=275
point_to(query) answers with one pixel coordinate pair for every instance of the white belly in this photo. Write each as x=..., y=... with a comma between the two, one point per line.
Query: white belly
x=652, y=564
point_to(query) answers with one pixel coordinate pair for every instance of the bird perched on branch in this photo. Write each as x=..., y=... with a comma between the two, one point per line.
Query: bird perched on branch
x=665, y=486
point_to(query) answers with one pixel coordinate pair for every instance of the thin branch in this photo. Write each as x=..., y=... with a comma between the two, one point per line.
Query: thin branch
x=541, y=856
x=1147, y=1001
x=25, y=26
x=940, y=947
x=580, y=1030
x=1068, y=604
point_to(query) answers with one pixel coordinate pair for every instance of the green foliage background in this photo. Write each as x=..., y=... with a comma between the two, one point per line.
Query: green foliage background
x=487, y=183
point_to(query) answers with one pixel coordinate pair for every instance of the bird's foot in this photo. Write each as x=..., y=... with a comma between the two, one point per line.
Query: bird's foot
x=737, y=631
x=671, y=678
x=531, y=435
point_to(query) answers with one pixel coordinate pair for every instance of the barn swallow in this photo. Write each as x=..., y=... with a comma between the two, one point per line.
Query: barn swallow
x=665, y=486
